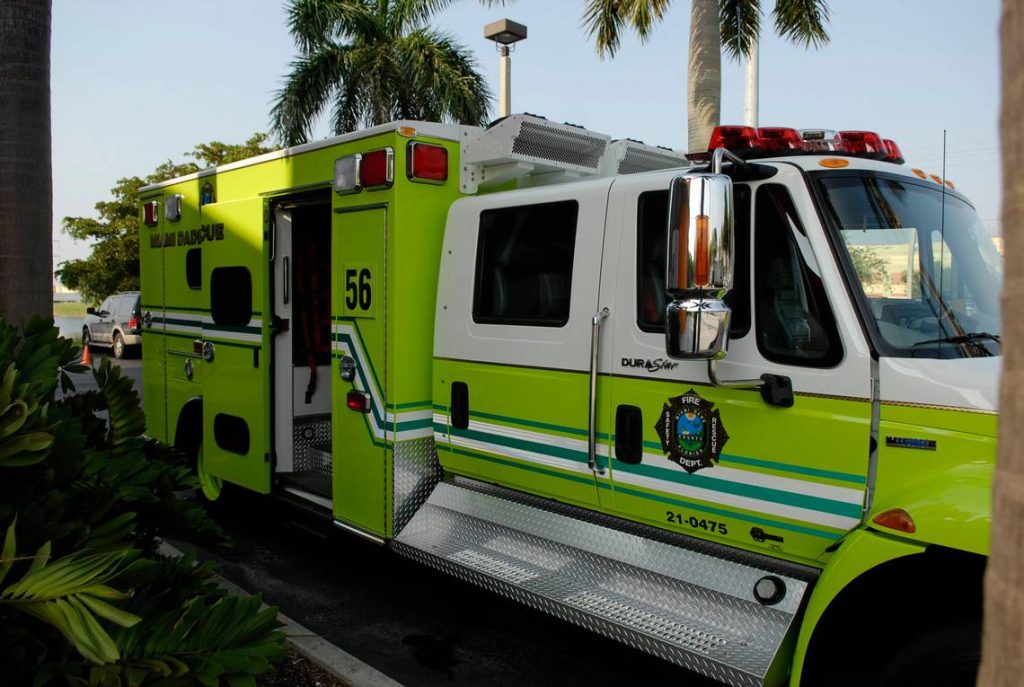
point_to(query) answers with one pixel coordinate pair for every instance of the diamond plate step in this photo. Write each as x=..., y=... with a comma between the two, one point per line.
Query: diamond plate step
x=687, y=606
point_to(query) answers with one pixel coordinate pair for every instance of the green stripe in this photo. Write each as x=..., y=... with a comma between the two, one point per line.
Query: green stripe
x=582, y=479
x=546, y=449
x=728, y=513
x=535, y=424
x=414, y=424
x=413, y=404
x=815, y=503
x=711, y=483
x=831, y=536
x=796, y=469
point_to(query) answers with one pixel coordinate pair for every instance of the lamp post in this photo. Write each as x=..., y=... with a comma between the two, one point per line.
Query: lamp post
x=505, y=33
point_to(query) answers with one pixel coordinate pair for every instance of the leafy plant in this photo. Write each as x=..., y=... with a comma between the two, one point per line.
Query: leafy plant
x=85, y=599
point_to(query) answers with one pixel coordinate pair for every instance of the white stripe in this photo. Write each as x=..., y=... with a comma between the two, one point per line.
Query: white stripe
x=526, y=435
x=182, y=329
x=721, y=498
x=551, y=461
x=758, y=479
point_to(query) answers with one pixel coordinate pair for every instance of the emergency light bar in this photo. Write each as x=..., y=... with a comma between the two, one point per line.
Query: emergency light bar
x=773, y=141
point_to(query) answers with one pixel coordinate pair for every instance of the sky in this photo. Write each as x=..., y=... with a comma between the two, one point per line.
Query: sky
x=137, y=82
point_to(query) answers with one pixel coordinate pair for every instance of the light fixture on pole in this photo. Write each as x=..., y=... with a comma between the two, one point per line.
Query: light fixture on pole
x=505, y=33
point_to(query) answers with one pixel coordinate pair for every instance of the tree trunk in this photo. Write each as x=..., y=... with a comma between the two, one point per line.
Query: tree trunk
x=704, y=74
x=26, y=186
x=1002, y=663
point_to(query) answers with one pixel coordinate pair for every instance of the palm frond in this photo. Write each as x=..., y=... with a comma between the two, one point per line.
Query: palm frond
x=443, y=77
x=604, y=20
x=802, y=21
x=314, y=23
x=312, y=81
x=740, y=22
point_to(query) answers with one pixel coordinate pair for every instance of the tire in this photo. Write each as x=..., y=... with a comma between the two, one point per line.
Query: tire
x=947, y=656
x=118, y=348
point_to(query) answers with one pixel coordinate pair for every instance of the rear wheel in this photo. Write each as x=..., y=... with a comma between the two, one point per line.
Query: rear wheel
x=210, y=485
x=118, y=346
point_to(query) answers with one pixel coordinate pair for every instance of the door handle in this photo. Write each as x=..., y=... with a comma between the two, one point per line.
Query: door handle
x=460, y=405
x=629, y=434
x=595, y=350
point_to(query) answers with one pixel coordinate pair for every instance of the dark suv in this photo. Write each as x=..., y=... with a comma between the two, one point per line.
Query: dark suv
x=117, y=323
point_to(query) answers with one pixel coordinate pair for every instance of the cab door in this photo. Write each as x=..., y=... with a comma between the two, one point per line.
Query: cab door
x=513, y=334
x=721, y=463
x=359, y=312
x=235, y=359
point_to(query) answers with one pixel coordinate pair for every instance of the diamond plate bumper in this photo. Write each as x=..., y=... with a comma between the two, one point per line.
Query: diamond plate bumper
x=687, y=606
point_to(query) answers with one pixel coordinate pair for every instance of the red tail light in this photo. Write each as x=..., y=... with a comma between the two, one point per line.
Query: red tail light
x=133, y=323
x=358, y=401
x=425, y=162
x=866, y=143
x=892, y=152
x=738, y=139
x=149, y=213
x=780, y=138
x=377, y=168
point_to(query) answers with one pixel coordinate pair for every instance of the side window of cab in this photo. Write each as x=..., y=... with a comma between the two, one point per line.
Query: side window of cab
x=794, y=322
x=652, y=236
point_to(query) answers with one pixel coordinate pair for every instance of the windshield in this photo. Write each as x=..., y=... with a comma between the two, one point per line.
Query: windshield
x=927, y=268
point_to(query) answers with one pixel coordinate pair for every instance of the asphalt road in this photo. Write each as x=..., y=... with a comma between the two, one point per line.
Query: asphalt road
x=412, y=623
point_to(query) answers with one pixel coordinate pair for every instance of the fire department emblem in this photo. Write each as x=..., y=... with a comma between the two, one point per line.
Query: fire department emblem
x=691, y=431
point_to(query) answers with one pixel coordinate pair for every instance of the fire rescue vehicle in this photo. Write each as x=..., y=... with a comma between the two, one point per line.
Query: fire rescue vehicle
x=739, y=412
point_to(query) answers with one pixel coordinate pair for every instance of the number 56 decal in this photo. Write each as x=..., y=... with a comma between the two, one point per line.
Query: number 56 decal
x=360, y=297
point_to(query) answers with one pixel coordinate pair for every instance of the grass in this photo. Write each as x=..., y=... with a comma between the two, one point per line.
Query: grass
x=69, y=309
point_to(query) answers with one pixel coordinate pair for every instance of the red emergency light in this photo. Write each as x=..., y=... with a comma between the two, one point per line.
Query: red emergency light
x=864, y=143
x=771, y=141
x=377, y=168
x=892, y=151
x=426, y=162
x=780, y=138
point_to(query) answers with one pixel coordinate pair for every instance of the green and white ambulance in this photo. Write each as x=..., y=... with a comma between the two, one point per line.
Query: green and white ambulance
x=739, y=413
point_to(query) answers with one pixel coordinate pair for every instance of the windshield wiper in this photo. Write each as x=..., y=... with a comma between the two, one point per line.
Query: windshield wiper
x=962, y=338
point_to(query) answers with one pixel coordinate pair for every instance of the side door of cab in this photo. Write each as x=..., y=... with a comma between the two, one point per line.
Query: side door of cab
x=721, y=463
x=517, y=296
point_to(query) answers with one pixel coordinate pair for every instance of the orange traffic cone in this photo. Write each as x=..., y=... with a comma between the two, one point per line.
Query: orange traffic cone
x=86, y=356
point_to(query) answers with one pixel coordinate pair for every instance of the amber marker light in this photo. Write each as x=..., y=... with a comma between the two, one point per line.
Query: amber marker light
x=919, y=172
x=834, y=162
x=896, y=519
x=701, y=270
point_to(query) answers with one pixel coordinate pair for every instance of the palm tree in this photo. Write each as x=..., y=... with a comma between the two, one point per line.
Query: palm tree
x=1002, y=659
x=375, y=61
x=26, y=188
x=732, y=24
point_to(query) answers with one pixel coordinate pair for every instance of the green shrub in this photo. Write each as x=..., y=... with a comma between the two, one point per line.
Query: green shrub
x=85, y=599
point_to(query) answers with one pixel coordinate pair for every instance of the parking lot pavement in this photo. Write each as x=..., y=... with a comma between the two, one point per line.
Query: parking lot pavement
x=131, y=367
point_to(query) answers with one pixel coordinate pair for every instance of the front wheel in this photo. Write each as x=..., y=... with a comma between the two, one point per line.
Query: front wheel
x=210, y=485
x=947, y=656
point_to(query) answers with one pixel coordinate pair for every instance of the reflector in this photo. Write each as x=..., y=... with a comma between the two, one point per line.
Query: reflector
x=358, y=401
x=896, y=519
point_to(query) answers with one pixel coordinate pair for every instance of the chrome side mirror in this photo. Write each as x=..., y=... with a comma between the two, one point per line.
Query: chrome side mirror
x=700, y=266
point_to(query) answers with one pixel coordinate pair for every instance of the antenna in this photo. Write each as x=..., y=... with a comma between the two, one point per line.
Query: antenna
x=942, y=221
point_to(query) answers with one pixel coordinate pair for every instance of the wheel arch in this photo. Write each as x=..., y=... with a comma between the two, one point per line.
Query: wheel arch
x=921, y=588
x=188, y=430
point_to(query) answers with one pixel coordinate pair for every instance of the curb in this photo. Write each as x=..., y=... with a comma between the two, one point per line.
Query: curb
x=342, y=665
